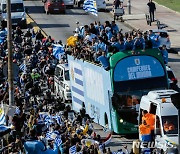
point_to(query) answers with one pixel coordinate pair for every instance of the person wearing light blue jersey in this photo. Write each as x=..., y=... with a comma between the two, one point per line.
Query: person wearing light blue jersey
x=114, y=28
x=53, y=149
x=33, y=145
x=128, y=44
x=120, y=45
x=139, y=42
x=108, y=32
x=164, y=53
x=103, y=60
x=154, y=39
x=102, y=45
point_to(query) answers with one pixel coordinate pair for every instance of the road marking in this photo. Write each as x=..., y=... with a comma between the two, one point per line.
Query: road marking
x=34, y=25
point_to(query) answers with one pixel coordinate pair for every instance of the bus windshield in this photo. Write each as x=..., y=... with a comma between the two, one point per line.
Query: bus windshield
x=127, y=104
x=139, y=73
x=15, y=7
x=170, y=124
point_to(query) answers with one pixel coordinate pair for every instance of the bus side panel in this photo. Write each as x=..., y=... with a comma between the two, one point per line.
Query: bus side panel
x=90, y=86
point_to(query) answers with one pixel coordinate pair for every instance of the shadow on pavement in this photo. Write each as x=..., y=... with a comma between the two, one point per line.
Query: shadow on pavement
x=172, y=30
x=70, y=12
x=173, y=60
x=53, y=25
x=35, y=9
x=174, y=50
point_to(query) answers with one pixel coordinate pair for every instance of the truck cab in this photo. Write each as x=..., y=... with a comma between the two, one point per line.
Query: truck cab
x=62, y=82
x=18, y=14
x=166, y=113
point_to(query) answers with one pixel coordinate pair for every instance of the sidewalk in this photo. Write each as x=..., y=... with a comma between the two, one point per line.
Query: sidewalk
x=166, y=16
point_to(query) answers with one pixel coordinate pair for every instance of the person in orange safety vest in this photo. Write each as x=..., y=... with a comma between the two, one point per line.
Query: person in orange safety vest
x=149, y=118
x=168, y=126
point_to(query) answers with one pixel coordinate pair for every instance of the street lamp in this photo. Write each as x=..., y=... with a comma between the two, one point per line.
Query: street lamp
x=10, y=55
x=129, y=6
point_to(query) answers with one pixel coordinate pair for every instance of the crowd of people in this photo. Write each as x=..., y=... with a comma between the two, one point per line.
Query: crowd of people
x=41, y=123
x=97, y=42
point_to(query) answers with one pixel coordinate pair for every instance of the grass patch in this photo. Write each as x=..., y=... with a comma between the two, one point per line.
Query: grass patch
x=172, y=4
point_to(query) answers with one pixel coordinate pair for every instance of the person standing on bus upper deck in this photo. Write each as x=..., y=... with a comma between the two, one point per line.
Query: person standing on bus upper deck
x=120, y=45
x=102, y=45
x=164, y=53
x=117, y=3
x=114, y=28
x=128, y=44
x=108, y=32
x=154, y=39
x=103, y=60
x=139, y=42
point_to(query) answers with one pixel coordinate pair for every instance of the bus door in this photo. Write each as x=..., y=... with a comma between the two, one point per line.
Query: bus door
x=112, y=113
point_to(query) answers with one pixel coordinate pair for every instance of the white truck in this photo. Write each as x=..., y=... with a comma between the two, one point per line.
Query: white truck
x=18, y=14
x=62, y=82
x=165, y=105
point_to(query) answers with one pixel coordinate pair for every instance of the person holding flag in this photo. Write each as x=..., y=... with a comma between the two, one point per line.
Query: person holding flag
x=90, y=6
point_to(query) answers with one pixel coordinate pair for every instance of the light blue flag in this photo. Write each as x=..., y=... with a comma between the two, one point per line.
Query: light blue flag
x=2, y=117
x=72, y=150
x=90, y=6
x=23, y=67
x=58, y=51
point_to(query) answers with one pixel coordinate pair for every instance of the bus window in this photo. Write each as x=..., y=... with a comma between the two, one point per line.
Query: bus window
x=152, y=109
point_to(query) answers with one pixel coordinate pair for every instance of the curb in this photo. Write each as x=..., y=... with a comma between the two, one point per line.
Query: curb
x=31, y=21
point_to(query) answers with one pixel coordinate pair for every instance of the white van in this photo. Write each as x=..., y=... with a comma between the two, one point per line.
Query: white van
x=18, y=14
x=165, y=105
x=101, y=4
x=62, y=82
x=69, y=3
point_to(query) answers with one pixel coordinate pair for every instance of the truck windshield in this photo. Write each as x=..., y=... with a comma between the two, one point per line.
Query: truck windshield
x=15, y=7
x=170, y=124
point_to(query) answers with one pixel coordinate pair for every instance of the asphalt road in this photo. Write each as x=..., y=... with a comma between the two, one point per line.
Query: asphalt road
x=61, y=26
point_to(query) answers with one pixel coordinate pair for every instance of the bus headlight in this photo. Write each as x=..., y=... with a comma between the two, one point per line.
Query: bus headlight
x=121, y=120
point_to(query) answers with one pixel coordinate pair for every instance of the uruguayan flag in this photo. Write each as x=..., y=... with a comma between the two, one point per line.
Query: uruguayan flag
x=77, y=84
x=58, y=141
x=17, y=111
x=58, y=119
x=58, y=51
x=90, y=6
x=54, y=136
x=2, y=117
x=72, y=150
x=3, y=128
x=23, y=67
